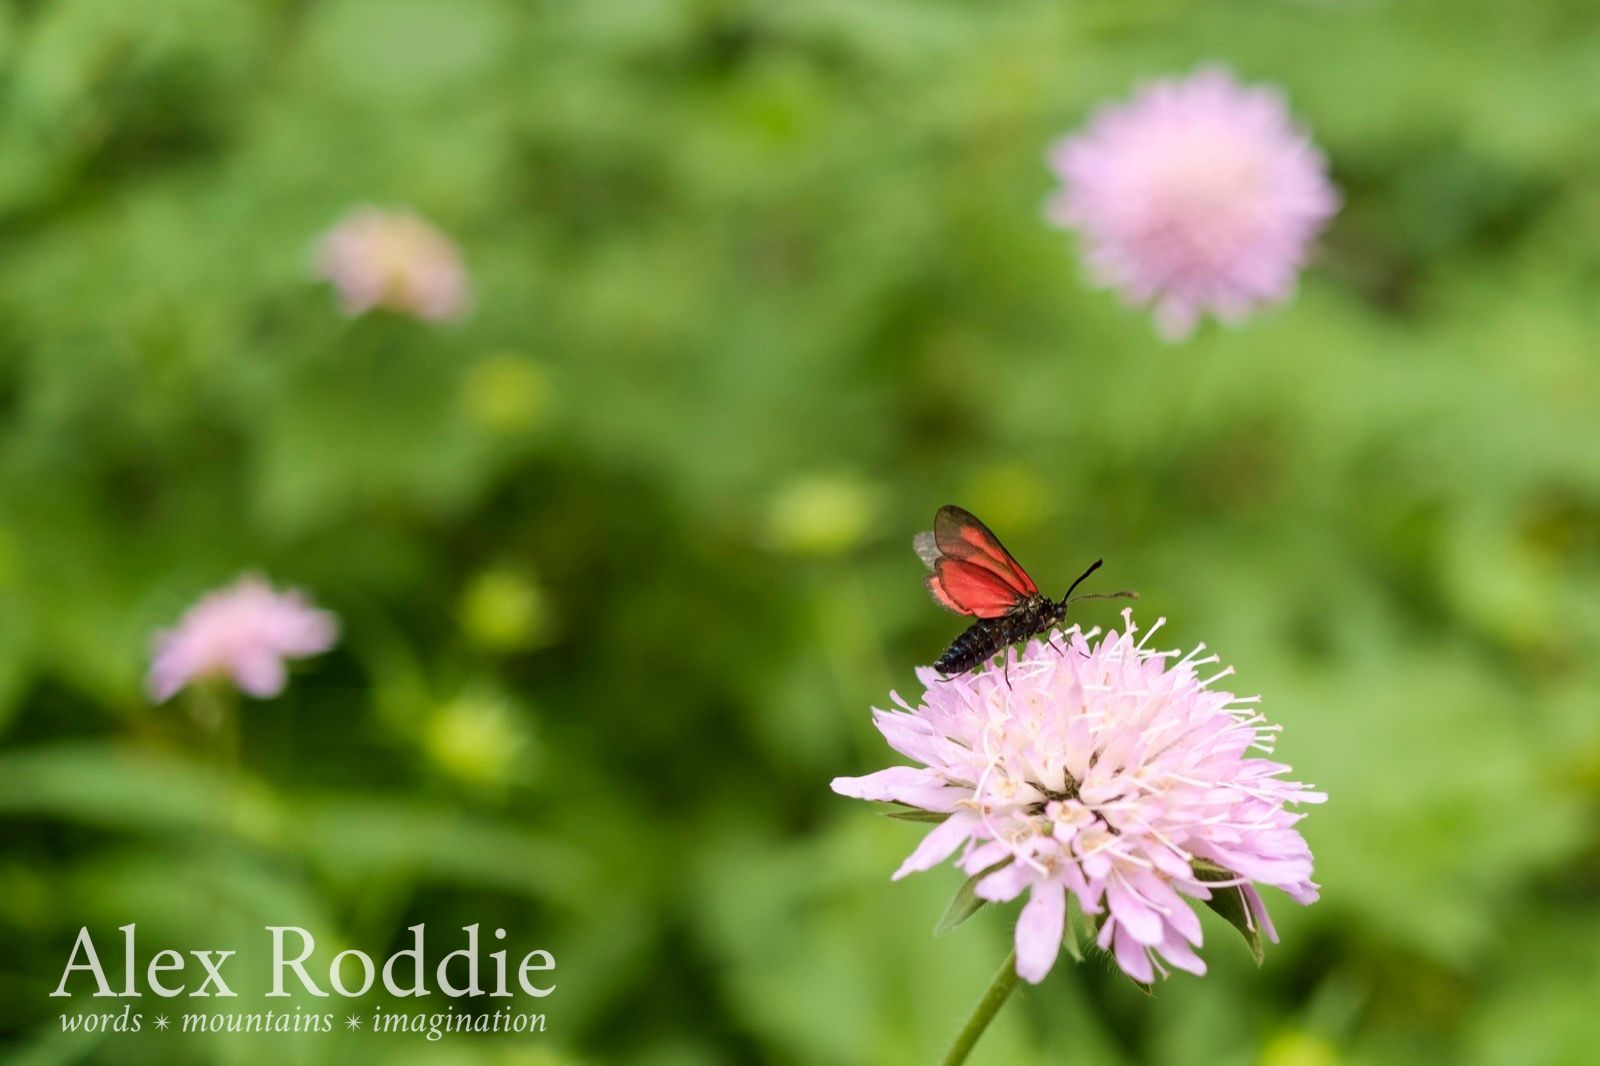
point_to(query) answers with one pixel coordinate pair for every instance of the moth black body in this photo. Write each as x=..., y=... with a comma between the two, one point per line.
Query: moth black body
x=988, y=637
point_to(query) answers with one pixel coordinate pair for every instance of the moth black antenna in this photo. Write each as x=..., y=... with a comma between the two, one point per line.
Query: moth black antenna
x=1125, y=594
x=1068, y=597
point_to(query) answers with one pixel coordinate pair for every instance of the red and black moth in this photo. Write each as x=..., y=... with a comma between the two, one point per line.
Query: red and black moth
x=973, y=574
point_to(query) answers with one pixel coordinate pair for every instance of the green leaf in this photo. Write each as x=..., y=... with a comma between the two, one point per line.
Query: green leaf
x=1071, y=939
x=1147, y=989
x=1230, y=903
x=966, y=902
x=911, y=814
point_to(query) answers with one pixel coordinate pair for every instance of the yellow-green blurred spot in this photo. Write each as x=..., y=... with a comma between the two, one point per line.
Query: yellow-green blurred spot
x=254, y=811
x=505, y=393
x=1296, y=1047
x=820, y=515
x=502, y=610
x=1007, y=496
x=475, y=737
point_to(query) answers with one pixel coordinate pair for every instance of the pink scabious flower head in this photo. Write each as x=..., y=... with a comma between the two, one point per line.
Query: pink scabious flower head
x=393, y=260
x=1199, y=195
x=241, y=633
x=1107, y=770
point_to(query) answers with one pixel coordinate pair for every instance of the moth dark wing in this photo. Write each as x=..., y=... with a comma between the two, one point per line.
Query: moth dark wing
x=959, y=535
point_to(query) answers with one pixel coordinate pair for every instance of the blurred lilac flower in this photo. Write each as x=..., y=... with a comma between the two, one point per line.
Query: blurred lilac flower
x=1105, y=771
x=1198, y=195
x=242, y=633
x=394, y=260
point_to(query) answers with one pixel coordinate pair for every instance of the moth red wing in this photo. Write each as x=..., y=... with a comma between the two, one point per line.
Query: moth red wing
x=965, y=588
x=960, y=536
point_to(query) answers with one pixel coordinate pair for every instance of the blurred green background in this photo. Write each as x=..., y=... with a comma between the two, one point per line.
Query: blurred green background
x=623, y=559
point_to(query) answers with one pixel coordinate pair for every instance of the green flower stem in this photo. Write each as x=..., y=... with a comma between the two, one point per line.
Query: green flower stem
x=215, y=709
x=993, y=999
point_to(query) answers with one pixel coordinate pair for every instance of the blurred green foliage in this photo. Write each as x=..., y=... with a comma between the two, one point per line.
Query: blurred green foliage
x=623, y=559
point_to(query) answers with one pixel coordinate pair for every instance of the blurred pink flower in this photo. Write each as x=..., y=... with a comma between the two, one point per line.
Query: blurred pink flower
x=1104, y=771
x=394, y=260
x=242, y=633
x=1198, y=195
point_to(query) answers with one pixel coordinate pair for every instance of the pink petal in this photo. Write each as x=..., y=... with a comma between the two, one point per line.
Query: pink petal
x=938, y=845
x=1258, y=908
x=1175, y=950
x=1175, y=911
x=1006, y=883
x=261, y=675
x=1039, y=930
x=1132, y=957
x=1141, y=922
x=916, y=786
